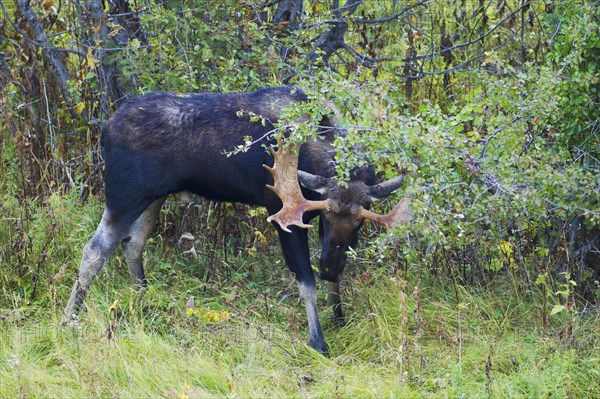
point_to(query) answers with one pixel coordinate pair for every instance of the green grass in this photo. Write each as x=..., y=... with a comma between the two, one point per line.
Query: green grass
x=435, y=341
x=260, y=351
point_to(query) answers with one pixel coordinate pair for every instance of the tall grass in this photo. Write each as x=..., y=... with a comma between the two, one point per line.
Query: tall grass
x=403, y=339
x=408, y=334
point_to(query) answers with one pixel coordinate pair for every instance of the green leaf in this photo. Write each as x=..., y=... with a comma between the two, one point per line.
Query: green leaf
x=557, y=309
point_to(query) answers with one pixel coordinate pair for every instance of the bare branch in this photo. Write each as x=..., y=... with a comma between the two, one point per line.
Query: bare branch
x=333, y=39
x=27, y=38
x=50, y=52
x=470, y=42
x=420, y=73
x=391, y=17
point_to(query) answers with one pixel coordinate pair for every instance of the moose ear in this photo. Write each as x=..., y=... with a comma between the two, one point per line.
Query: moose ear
x=315, y=183
x=384, y=189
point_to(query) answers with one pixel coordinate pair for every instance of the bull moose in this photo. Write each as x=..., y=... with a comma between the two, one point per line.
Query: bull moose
x=163, y=143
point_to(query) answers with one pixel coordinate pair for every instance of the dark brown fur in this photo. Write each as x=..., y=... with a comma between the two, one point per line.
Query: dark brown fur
x=163, y=143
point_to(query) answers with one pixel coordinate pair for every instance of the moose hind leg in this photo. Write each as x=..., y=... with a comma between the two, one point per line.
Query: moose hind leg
x=95, y=254
x=136, y=240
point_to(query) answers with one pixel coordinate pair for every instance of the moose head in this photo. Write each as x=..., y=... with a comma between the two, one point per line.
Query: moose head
x=343, y=208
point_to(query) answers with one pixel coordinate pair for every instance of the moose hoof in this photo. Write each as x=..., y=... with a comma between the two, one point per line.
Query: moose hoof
x=339, y=321
x=70, y=321
x=320, y=346
x=139, y=286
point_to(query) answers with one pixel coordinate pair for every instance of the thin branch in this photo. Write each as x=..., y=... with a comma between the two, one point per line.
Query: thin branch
x=366, y=61
x=421, y=73
x=36, y=43
x=470, y=42
x=391, y=17
x=490, y=137
x=50, y=127
x=365, y=21
x=50, y=52
x=333, y=39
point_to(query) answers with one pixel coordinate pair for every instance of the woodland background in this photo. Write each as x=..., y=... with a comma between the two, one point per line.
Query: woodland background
x=489, y=107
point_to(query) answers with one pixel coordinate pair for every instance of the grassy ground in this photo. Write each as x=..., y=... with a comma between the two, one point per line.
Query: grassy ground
x=408, y=334
x=247, y=339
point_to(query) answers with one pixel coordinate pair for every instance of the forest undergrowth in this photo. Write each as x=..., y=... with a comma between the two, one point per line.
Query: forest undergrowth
x=409, y=333
x=488, y=108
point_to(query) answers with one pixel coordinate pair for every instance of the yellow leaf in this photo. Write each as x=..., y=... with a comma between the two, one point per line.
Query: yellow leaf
x=261, y=237
x=114, y=306
x=91, y=61
x=114, y=30
x=506, y=247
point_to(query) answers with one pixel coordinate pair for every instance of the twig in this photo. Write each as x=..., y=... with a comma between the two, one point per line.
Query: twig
x=470, y=42
x=391, y=17
x=50, y=52
x=50, y=128
x=491, y=136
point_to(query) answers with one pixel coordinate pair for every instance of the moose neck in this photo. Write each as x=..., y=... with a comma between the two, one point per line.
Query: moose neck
x=318, y=158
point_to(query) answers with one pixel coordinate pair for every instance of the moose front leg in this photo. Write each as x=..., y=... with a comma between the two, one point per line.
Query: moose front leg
x=308, y=292
x=335, y=303
x=297, y=256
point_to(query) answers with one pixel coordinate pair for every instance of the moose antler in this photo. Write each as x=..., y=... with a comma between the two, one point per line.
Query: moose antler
x=287, y=188
x=401, y=213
